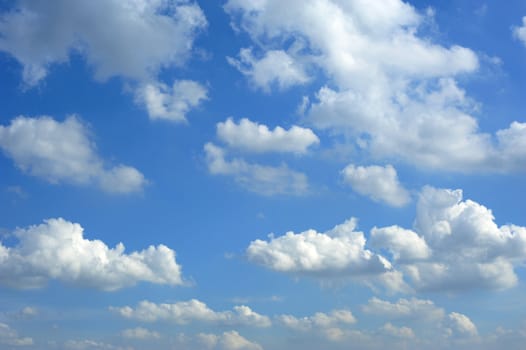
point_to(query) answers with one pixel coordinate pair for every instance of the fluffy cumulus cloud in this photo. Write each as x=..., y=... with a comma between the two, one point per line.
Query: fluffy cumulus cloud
x=58, y=250
x=339, y=251
x=520, y=32
x=9, y=337
x=251, y=137
x=275, y=68
x=192, y=311
x=171, y=102
x=455, y=245
x=393, y=91
x=231, y=340
x=262, y=179
x=138, y=38
x=380, y=183
x=415, y=309
x=63, y=152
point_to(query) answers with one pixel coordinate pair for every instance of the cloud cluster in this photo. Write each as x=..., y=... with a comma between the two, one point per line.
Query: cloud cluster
x=251, y=137
x=58, y=250
x=454, y=245
x=63, y=152
x=192, y=311
x=136, y=40
x=379, y=183
x=393, y=91
x=329, y=325
x=227, y=341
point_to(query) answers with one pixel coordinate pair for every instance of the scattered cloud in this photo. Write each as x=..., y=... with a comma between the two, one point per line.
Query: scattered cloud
x=137, y=40
x=380, y=183
x=405, y=309
x=192, y=311
x=10, y=337
x=58, y=250
x=88, y=344
x=275, y=68
x=520, y=32
x=63, y=152
x=328, y=325
x=140, y=333
x=231, y=340
x=262, y=179
x=171, y=103
x=251, y=137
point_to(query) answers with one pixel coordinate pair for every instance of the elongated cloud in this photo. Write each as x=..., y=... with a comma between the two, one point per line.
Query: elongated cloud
x=339, y=251
x=379, y=183
x=263, y=179
x=57, y=250
x=520, y=32
x=138, y=38
x=251, y=137
x=63, y=152
x=192, y=311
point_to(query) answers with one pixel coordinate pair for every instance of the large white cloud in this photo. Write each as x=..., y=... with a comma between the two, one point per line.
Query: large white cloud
x=192, y=311
x=263, y=179
x=58, y=250
x=131, y=38
x=455, y=245
x=171, y=103
x=339, y=251
x=394, y=92
x=249, y=136
x=520, y=32
x=64, y=152
x=379, y=183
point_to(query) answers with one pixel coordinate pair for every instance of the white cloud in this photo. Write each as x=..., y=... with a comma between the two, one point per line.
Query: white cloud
x=339, y=251
x=58, y=250
x=262, y=179
x=88, y=344
x=10, y=337
x=379, y=183
x=140, y=333
x=227, y=341
x=404, y=245
x=252, y=137
x=461, y=325
x=138, y=38
x=171, y=103
x=412, y=309
x=318, y=320
x=276, y=67
x=520, y=32
x=192, y=311
x=398, y=332
x=63, y=152
x=393, y=91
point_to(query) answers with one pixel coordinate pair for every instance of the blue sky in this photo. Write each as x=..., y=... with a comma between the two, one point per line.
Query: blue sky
x=322, y=174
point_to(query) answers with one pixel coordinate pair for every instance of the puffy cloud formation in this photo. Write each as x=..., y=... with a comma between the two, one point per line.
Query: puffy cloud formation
x=10, y=337
x=339, y=251
x=275, y=68
x=192, y=311
x=136, y=40
x=520, y=32
x=455, y=245
x=398, y=332
x=140, y=333
x=379, y=183
x=251, y=137
x=261, y=179
x=461, y=324
x=390, y=89
x=171, y=103
x=404, y=309
x=227, y=341
x=58, y=250
x=63, y=152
